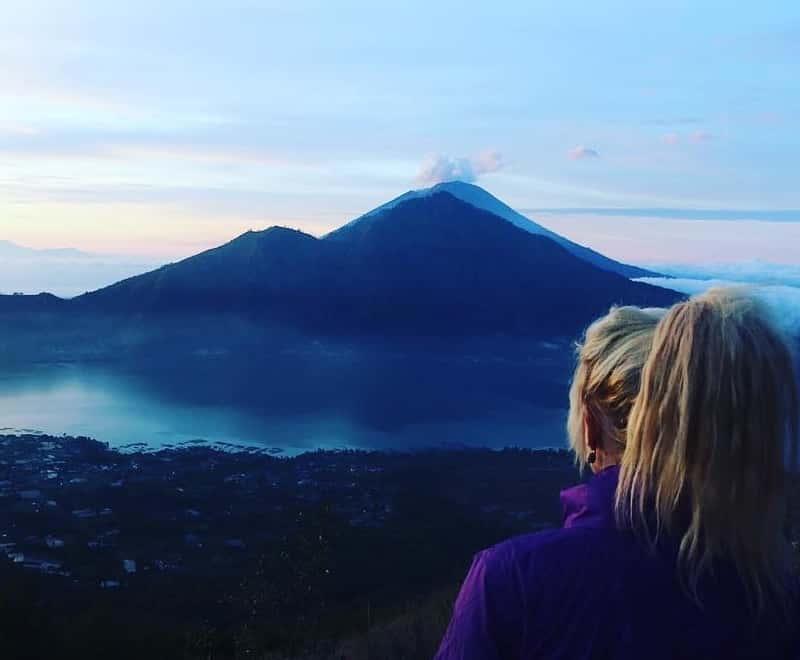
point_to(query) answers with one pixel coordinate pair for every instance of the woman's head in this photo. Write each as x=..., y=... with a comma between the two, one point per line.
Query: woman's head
x=606, y=379
x=707, y=439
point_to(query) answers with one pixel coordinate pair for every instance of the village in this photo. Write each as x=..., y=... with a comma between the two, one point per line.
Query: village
x=76, y=509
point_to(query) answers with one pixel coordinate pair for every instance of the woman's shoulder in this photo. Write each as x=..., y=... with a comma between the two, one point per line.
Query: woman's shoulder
x=563, y=545
x=510, y=581
x=530, y=567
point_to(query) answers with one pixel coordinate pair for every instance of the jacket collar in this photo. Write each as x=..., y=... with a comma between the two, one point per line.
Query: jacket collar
x=592, y=504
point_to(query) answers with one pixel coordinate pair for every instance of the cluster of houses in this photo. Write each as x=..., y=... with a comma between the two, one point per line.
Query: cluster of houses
x=72, y=507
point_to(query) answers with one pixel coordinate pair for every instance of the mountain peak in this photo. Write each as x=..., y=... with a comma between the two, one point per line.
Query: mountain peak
x=453, y=185
x=270, y=236
x=280, y=230
x=482, y=199
x=274, y=230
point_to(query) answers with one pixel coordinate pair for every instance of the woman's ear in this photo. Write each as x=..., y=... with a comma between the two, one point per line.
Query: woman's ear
x=591, y=431
x=593, y=439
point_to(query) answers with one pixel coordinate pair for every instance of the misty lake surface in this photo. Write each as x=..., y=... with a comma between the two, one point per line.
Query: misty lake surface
x=295, y=403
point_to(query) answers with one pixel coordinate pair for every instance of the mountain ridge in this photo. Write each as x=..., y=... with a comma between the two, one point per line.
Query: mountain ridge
x=12, y=249
x=426, y=264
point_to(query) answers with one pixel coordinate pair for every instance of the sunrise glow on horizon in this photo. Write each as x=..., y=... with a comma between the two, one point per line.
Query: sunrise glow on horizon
x=157, y=131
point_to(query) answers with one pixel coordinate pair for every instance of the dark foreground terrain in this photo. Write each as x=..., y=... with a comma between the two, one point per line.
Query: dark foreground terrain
x=201, y=553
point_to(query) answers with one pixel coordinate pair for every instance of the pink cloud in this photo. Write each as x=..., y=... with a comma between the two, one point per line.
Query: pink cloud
x=701, y=136
x=769, y=117
x=583, y=153
x=489, y=160
x=671, y=138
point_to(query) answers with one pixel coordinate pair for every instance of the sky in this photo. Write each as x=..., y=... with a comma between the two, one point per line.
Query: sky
x=659, y=133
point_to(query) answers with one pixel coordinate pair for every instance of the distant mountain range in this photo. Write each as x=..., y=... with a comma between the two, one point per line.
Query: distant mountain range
x=428, y=263
x=10, y=250
x=64, y=272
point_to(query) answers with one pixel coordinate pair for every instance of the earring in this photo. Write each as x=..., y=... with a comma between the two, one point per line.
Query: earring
x=592, y=457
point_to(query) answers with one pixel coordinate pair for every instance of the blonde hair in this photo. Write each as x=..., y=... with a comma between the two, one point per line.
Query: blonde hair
x=707, y=442
x=606, y=379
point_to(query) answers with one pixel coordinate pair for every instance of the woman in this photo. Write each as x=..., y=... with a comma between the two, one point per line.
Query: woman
x=678, y=552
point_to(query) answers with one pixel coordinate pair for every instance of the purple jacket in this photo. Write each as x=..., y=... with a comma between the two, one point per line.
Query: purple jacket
x=589, y=590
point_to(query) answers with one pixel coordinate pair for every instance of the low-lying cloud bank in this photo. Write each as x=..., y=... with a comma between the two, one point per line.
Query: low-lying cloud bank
x=781, y=295
x=65, y=273
x=754, y=272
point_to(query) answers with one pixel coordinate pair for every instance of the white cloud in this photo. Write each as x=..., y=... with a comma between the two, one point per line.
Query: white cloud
x=17, y=128
x=583, y=153
x=782, y=300
x=778, y=285
x=754, y=272
x=438, y=168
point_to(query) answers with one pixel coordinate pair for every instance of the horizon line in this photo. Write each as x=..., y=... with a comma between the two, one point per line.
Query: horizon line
x=758, y=215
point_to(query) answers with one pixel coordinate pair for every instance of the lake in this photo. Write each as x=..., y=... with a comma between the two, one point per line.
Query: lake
x=295, y=402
